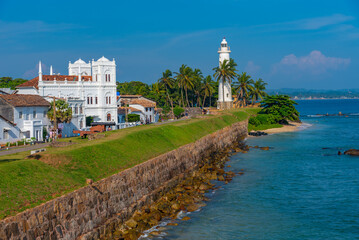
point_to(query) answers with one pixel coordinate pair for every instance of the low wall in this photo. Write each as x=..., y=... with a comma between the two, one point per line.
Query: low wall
x=89, y=212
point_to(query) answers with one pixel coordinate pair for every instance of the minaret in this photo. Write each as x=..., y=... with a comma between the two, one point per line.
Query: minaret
x=40, y=72
x=225, y=100
x=51, y=73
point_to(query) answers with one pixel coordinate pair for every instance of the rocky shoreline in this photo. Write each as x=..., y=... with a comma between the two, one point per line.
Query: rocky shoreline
x=187, y=196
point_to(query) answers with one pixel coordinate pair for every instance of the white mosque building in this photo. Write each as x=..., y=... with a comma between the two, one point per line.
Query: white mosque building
x=89, y=88
x=225, y=100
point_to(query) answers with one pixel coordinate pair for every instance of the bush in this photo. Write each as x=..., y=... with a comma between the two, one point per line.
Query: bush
x=263, y=119
x=133, y=117
x=177, y=111
x=254, y=121
x=267, y=118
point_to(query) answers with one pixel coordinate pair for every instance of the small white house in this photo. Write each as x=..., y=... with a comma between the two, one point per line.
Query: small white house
x=143, y=107
x=27, y=113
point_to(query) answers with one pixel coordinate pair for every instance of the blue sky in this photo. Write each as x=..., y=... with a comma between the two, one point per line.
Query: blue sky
x=293, y=44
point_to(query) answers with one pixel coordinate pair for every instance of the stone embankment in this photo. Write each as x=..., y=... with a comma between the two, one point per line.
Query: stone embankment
x=100, y=208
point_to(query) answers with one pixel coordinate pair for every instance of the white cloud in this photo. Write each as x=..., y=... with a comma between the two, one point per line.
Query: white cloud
x=307, y=23
x=315, y=63
x=19, y=28
x=251, y=68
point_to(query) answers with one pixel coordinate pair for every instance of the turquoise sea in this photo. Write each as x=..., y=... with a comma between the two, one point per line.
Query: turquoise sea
x=300, y=189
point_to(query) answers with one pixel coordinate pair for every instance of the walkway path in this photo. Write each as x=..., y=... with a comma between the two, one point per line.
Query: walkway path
x=23, y=149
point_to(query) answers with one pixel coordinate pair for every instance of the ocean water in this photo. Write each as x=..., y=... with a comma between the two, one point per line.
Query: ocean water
x=300, y=189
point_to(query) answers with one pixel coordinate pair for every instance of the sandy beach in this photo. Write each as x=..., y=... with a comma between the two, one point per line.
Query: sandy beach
x=292, y=127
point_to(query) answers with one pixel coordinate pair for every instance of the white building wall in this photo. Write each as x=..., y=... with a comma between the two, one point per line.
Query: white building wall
x=102, y=87
x=13, y=132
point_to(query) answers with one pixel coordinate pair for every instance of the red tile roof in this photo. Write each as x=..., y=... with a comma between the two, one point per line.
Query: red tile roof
x=22, y=100
x=10, y=122
x=122, y=110
x=143, y=102
x=35, y=81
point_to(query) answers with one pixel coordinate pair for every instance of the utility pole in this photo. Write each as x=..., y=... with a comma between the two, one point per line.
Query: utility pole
x=55, y=119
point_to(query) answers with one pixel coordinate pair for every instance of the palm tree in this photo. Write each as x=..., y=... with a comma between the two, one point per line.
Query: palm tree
x=207, y=88
x=257, y=91
x=243, y=87
x=167, y=81
x=185, y=80
x=225, y=72
x=157, y=91
x=197, y=82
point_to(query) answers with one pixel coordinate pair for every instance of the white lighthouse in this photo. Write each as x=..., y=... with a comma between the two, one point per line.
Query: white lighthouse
x=225, y=100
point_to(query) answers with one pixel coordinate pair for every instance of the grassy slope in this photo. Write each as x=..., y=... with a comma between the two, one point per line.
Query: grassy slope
x=25, y=183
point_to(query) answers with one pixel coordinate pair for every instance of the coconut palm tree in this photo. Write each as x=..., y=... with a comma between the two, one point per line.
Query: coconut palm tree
x=167, y=81
x=225, y=72
x=257, y=91
x=243, y=86
x=185, y=80
x=207, y=88
x=198, y=84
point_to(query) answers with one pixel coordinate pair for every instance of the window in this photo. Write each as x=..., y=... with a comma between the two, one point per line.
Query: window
x=26, y=116
x=45, y=113
x=80, y=109
x=96, y=100
x=88, y=100
x=108, y=117
x=109, y=78
x=146, y=109
x=20, y=115
x=76, y=110
x=6, y=134
x=106, y=100
x=34, y=114
x=91, y=100
x=106, y=77
x=109, y=100
x=96, y=77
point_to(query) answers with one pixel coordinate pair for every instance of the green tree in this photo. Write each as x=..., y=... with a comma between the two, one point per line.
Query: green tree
x=207, y=88
x=185, y=80
x=225, y=72
x=281, y=107
x=63, y=112
x=242, y=88
x=8, y=82
x=167, y=82
x=89, y=120
x=257, y=91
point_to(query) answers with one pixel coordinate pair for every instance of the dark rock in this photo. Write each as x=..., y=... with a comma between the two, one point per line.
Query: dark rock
x=352, y=152
x=339, y=153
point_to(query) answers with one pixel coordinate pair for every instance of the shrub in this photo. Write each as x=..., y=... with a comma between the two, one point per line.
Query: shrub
x=266, y=118
x=133, y=117
x=254, y=121
x=177, y=111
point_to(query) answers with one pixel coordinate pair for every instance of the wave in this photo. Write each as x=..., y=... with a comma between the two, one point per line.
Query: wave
x=316, y=115
x=304, y=126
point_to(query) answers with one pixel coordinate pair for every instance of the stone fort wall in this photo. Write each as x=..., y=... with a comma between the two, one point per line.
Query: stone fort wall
x=89, y=212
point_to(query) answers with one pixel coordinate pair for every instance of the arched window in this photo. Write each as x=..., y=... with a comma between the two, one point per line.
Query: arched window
x=108, y=117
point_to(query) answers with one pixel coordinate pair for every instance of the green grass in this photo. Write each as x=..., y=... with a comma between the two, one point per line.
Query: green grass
x=263, y=127
x=25, y=183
